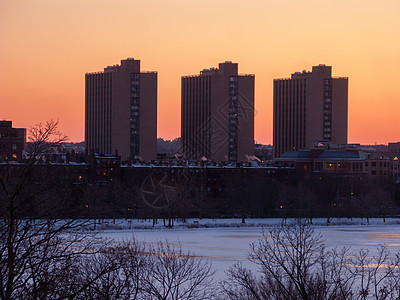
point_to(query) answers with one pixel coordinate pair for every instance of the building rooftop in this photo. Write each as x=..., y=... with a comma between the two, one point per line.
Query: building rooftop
x=338, y=154
x=325, y=154
x=297, y=154
x=7, y=124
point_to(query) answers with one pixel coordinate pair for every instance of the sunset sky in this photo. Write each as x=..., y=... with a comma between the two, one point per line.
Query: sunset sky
x=47, y=46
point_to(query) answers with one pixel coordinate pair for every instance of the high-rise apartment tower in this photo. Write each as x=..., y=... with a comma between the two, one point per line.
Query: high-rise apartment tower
x=217, y=114
x=121, y=111
x=309, y=107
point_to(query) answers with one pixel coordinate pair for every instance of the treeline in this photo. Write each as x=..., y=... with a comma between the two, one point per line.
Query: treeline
x=167, y=192
x=253, y=194
x=211, y=195
x=66, y=267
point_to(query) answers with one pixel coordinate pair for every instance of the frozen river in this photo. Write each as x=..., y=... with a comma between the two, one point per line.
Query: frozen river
x=227, y=246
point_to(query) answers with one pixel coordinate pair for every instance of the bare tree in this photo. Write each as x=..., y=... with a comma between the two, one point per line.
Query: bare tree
x=136, y=271
x=46, y=256
x=174, y=274
x=128, y=265
x=294, y=265
x=393, y=281
x=243, y=284
x=377, y=275
x=101, y=276
x=34, y=242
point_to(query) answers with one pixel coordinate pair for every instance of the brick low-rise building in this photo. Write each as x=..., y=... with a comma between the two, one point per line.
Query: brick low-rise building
x=12, y=142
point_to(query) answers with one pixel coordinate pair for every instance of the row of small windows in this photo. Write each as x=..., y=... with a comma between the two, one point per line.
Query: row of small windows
x=106, y=162
x=6, y=146
x=338, y=166
x=6, y=157
x=374, y=164
x=233, y=118
x=135, y=124
x=134, y=116
x=7, y=135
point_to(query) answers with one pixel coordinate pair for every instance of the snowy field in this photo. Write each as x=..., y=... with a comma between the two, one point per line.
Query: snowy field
x=226, y=241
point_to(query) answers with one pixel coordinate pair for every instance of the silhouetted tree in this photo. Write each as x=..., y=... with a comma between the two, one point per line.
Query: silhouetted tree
x=30, y=209
x=294, y=264
x=174, y=274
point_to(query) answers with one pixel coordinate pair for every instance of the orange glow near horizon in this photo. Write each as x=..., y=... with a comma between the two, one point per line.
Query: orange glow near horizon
x=47, y=46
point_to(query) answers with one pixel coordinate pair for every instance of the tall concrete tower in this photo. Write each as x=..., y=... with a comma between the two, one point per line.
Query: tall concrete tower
x=309, y=106
x=121, y=111
x=217, y=114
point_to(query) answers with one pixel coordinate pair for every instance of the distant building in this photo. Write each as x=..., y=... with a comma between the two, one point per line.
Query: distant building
x=309, y=106
x=379, y=167
x=323, y=160
x=12, y=142
x=103, y=168
x=344, y=160
x=383, y=164
x=121, y=111
x=263, y=152
x=394, y=147
x=217, y=120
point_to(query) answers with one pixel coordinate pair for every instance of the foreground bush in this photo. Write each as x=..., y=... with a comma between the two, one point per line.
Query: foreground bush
x=293, y=263
x=130, y=271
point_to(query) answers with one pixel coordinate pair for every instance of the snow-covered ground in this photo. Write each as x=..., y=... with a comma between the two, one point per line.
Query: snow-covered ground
x=226, y=241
